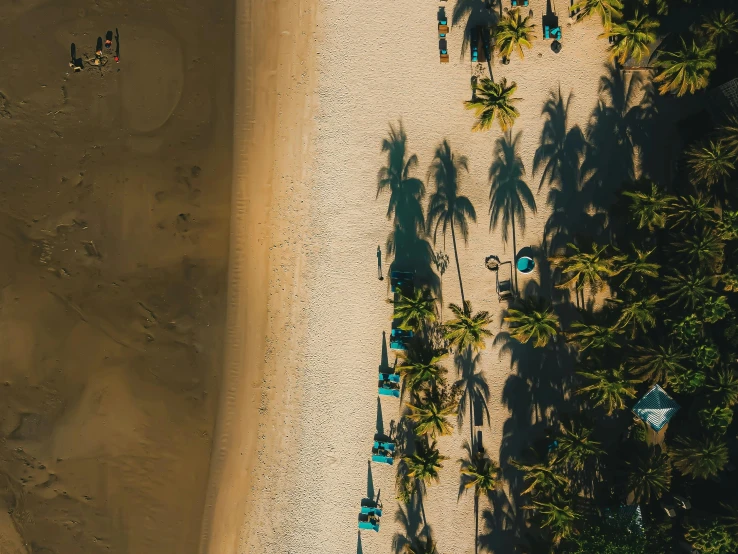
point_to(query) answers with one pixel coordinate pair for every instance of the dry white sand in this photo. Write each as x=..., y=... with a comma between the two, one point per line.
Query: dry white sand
x=377, y=64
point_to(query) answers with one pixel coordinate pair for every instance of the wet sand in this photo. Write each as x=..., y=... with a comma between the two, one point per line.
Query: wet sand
x=115, y=194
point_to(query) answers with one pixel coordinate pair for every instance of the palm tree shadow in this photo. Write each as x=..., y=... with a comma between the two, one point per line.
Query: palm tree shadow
x=359, y=550
x=410, y=519
x=407, y=242
x=475, y=391
x=369, y=481
x=509, y=194
x=618, y=128
x=501, y=525
x=380, y=420
x=474, y=13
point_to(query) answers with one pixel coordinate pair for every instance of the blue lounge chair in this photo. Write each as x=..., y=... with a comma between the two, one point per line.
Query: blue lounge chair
x=474, y=43
x=403, y=279
x=386, y=445
x=516, y=3
x=386, y=389
x=442, y=28
x=552, y=32
x=371, y=511
x=399, y=338
x=383, y=452
x=368, y=522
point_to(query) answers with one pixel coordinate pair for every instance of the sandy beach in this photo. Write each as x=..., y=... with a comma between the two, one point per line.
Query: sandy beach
x=326, y=309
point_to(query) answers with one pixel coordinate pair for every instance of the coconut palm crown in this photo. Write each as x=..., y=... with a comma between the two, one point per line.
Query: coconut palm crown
x=635, y=37
x=493, y=102
x=513, y=32
x=467, y=329
x=533, y=320
x=686, y=70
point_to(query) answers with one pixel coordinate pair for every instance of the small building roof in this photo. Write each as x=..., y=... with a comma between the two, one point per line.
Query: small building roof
x=656, y=408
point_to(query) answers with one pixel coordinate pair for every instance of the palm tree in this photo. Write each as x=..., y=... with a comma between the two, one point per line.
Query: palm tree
x=493, y=101
x=595, y=337
x=638, y=267
x=649, y=476
x=723, y=387
x=655, y=363
x=431, y=417
x=637, y=314
x=700, y=248
x=606, y=9
x=700, y=457
x=467, y=329
x=609, y=389
x=534, y=320
x=720, y=28
x=710, y=163
x=421, y=365
x=422, y=467
x=691, y=210
x=649, y=210
x=635, y=37
x=690, y=289
x=480, y=472
x=405, y=191
x=576, y=447
x=559, y=517
x=513, y=32
x=508, y=192
x=560, y=147
x=581, y=268
x=729, y=134
x=446, y=208
x=543, y=479
x=414, y=311
x=686, y=70
x=473, y=386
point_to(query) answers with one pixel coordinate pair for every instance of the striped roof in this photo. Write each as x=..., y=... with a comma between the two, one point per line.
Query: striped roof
x=656, y=408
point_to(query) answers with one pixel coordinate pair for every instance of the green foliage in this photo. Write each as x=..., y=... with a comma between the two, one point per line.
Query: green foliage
x=612, y=537
x=478, y=471
x=606, y=9
x=720, y=28
x=581, y=268
x=706, y=355
x=686, y=70
x=493, y=102
x=701, y=457
x=691, y=210
x=701, y=249
x=609, y=388
x=723, y=387
x=513, y=32
x=657, y=363
x=649, y=209
x=715, y=418
x=416, y=310
x=543, y=479
x=714, y=309
x=649, y=476
x=636, y=314
x=710, y=163
x=420, y=365
x=534, y=320
x=557, y=516
x=467, y=329
x=576, y=447
x=689, y=289
x=712, y=537
x=423, y=464
x=687, y=380
x=686, y=331
x=594, y=337
x=431, y=417
x=634, y=37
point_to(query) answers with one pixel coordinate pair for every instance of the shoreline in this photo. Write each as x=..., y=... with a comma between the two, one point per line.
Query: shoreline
x=273, y=106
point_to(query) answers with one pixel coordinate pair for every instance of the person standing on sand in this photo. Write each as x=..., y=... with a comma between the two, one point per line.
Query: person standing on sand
x=117, y=46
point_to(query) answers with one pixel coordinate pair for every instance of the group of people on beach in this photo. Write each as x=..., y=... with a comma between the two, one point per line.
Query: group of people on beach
x=100, y=59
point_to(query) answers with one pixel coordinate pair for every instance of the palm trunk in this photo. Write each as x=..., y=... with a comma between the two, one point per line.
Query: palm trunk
x=476, y=523
x=471, y=422
x=515, y=250
x=458, y=269
x=422, y=506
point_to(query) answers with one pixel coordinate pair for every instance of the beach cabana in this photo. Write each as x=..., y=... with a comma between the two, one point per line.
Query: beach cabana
x=656, y=408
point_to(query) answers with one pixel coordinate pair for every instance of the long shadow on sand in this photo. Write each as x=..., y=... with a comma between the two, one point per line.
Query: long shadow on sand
x=409, y=516
x=407, y=242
